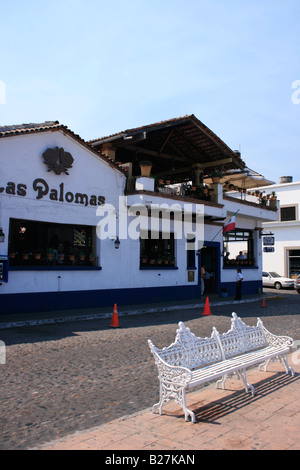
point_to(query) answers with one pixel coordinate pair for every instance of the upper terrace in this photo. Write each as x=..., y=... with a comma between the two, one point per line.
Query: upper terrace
x=189, y=163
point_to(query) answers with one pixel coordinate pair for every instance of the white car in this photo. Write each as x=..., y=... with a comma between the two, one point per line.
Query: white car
x=271, y=279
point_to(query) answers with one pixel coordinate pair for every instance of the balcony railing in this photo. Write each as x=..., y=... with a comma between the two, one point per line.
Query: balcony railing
x=213, y=192
x=264, y=201
x=204, y=193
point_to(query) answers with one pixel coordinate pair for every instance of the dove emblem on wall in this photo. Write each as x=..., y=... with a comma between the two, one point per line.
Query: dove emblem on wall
x=58, y=160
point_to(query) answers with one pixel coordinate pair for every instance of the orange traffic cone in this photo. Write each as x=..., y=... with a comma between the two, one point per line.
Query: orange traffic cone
x=263, y=303
x=115, y=319
x=206, y=308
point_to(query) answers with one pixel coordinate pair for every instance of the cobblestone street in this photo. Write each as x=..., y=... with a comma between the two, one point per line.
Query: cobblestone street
x=63, y=378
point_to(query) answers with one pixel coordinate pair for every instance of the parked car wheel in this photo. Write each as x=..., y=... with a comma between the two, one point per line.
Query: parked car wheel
x=277, y=285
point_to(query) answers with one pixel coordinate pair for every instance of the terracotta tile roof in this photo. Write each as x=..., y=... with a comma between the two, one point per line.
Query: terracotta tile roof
x=18, y=129
x=23, y=129
x=194, y=141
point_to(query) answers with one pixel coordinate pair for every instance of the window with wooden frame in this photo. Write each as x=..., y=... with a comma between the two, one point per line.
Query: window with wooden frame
x=238, y=248
x=156, y=250
x=33, y=243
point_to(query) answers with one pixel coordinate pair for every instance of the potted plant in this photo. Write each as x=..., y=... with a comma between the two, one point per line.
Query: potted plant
x=145, y=167
x=49, y=254
x=263, y=201
x=273, y=200
x=224, y=292
x=166, y=259
x=216, y=176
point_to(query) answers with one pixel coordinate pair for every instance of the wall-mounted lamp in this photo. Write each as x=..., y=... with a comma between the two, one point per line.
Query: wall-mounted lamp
x=117, y=243
x=2, y=236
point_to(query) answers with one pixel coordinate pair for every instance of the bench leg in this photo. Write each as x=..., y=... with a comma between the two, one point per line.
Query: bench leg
x=221, y=381
x=158, y=406
x=288, y=369
x=284, y=359
x=264, y=365
x=187, y=412
x=169, y=391
x=242, y=375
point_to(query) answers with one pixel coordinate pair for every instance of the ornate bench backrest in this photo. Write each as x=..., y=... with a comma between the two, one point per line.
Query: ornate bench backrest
x=231, y=344
x=242, y=338
x=189, y=350
x=174, y=355
x=201, y=351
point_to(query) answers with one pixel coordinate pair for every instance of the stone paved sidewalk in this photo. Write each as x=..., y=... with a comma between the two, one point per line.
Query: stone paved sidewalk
x=226, y=419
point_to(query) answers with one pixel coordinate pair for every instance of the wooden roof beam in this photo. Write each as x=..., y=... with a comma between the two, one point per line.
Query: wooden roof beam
x=166, y=141
x=224, y=161
x=154, y=153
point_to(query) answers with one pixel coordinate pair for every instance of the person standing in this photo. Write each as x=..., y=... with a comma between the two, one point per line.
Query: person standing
x=202, y=279
x=239, y=280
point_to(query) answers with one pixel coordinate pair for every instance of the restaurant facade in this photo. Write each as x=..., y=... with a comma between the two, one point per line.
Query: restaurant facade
x=82, y=226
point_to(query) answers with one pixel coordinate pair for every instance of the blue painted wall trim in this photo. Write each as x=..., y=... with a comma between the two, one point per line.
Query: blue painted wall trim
x=47, y=301
x=248, y=287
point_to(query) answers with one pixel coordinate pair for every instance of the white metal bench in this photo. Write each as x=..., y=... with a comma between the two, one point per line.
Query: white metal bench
x=191, y=361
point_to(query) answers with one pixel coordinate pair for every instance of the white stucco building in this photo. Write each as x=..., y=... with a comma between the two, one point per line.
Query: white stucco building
x=79, y=223
x=285, y=260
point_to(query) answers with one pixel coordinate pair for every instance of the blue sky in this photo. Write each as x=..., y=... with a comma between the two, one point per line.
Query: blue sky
x=100, y=67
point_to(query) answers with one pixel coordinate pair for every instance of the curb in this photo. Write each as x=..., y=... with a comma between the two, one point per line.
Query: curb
x=97, y=316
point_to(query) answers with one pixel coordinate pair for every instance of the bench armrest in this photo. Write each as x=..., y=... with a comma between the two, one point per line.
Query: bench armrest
x=167, y=373
x=274, y=340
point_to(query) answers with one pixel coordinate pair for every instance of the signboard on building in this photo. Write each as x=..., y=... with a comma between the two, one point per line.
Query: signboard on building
x=268, y=241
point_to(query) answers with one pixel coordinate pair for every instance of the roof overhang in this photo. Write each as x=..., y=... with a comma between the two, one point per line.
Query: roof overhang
x=175, y=147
